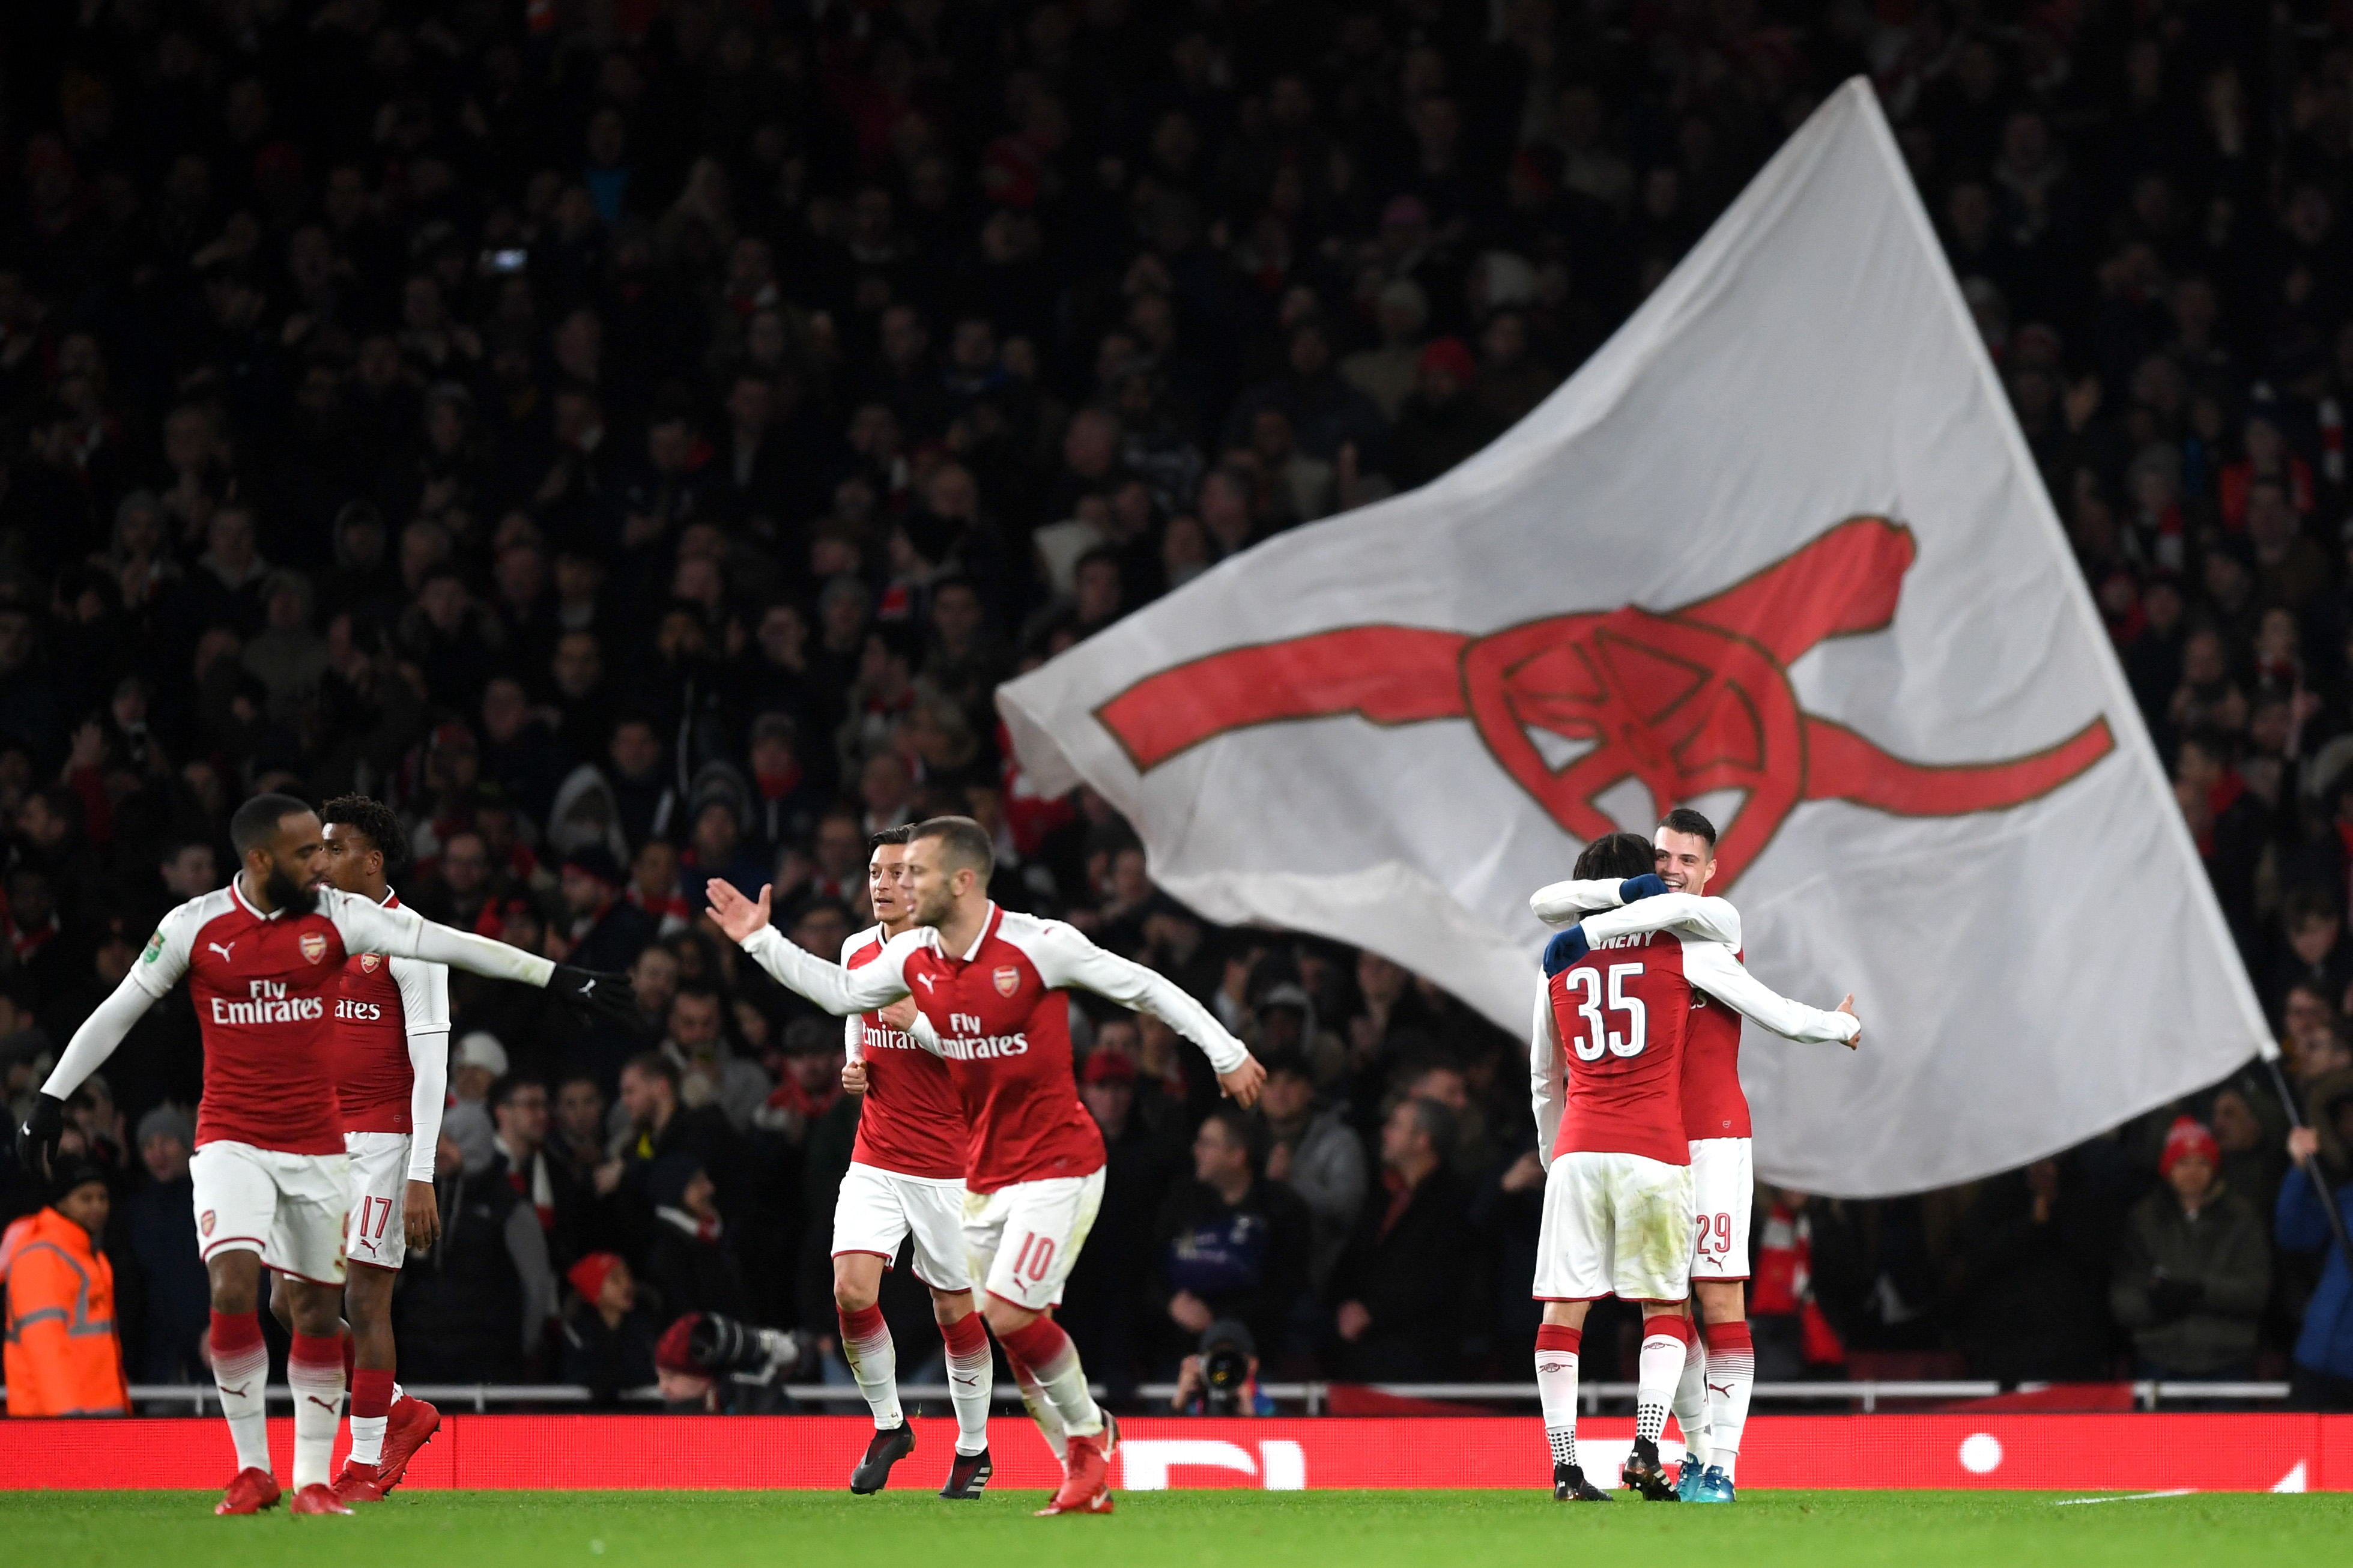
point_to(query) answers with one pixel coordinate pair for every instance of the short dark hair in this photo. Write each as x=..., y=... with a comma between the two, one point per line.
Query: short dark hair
x=503, y=1091
x=653, y=1064
x=2305, y=904
x=1617, y=854
x=1683, y=819
x=1436, y=1121
x=965, y=840
x=376, y=824
x=1246, y=1129
x=255, y=823
x=899, y=835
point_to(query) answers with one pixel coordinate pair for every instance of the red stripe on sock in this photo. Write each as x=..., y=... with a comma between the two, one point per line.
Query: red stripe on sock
x=967, y=1336
x=1555, y=1337
x=1040, y=1343
x=316, y=1354
x=861, y=1325
x=1667, y=1328
x=1729, y=1337
x=371, y=1393
x=236, y=1332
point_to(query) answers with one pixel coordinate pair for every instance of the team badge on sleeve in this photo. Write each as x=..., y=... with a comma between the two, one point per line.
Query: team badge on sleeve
x=154, y=947
x=370, y=963
x=314, y=946
x=1009, y=981
x=205, y=1223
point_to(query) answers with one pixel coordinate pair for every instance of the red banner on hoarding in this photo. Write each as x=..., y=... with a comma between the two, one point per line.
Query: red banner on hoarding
x=2267, y=1452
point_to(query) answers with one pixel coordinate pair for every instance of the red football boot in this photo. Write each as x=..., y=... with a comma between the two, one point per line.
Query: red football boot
x=359, y=1483
x=412, y=1424
x=316, y=1497
x=1084, y=1488
x=249, y=1491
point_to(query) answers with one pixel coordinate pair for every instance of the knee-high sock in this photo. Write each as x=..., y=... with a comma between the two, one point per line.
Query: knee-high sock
x=1690, y=1402
x=240, y=1369
x=1731, y=1374
x=1557, y=1349
x=1054, y=1361
x=314, y=1370
x=1041, y=1411
x=371, y=1407
x=1658, y=1370
x=866, y=1345
x=971, y=1374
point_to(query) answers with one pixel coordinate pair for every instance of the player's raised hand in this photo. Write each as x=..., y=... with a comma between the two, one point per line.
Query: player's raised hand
x=1847, y=1007
x=420, y=1216
x=37, y=1139
x=598, y=990
x=1242, y=1085
x=738, y=916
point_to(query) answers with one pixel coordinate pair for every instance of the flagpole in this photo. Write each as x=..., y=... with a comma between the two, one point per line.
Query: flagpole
x=2312, y=1167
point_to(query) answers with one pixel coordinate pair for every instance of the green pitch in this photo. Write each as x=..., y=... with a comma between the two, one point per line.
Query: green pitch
x=1198, y=1530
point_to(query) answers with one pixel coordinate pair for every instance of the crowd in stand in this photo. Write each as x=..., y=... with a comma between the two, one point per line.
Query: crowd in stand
x=634, y=437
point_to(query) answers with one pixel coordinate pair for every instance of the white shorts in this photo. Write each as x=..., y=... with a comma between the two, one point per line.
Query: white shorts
x=1724, y=1184
x=288, y=1208
x=378, y=1234
x=1021, y=1241
x=1615, y=1225
x=877, y=1209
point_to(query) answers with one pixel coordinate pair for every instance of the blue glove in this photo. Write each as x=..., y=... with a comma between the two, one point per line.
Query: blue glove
x=1648, y=885
x=1564, y=949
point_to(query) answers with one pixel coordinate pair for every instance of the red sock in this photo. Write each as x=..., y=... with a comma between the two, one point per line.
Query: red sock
x=1729, y=1337
x=1040, y=1342
x=371, y=1393
x=968, y=1335
x=1554, y=1337
x=233, y=1332
x=861, y=1326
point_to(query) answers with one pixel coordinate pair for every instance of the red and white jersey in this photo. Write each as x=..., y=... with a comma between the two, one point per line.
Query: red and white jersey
x=392, y=1019
x=263, y=987
x=911, y=1120
x=1003, y=1024
x=1587, y=1026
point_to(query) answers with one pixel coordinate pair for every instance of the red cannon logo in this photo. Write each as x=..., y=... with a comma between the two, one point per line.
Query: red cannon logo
x=1687, y=701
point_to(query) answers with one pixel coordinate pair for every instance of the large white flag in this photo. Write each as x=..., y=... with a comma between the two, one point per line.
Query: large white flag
x=1778, y=551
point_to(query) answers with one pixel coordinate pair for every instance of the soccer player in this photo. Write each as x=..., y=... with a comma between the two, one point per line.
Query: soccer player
x=392, y=1071
x=905, y=1176
x=264, y=956
x=991, y=984
x=1711, y=1400
x=1618, y=1211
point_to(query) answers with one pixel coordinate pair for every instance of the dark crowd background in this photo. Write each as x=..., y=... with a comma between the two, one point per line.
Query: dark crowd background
x=634, y=437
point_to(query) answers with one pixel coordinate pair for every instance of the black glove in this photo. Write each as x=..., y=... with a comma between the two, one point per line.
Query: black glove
x=594, y=989
x=2169, y=1298
x=37, y=1141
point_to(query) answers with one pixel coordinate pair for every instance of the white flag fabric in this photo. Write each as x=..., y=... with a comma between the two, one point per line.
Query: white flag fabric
x=1778, y=551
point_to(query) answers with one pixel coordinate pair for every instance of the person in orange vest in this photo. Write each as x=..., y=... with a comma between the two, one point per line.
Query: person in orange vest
x=62, y=1356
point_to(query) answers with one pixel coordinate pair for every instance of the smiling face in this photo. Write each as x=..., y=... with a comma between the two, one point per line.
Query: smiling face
x=1685, y=861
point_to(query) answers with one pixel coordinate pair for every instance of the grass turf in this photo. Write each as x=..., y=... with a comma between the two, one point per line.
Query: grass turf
x=1196, y=1528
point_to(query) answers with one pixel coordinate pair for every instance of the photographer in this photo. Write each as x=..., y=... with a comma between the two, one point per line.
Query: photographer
x=707, y=1364
x=1222, y=1378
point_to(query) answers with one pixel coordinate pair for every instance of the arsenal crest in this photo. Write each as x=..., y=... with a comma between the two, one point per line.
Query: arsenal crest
x=370, y=963
x=314, y=946
x=205, y=1223
x=1009, y=981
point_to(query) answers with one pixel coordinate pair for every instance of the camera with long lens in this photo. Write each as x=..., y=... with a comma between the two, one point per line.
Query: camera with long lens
x=745, y=1352
x=1226, y=1353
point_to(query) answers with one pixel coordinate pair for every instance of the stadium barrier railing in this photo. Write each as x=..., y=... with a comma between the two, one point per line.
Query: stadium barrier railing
x=1312, y=1398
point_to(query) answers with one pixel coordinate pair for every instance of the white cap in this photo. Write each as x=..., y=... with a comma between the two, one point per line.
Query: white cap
x=481, y=1049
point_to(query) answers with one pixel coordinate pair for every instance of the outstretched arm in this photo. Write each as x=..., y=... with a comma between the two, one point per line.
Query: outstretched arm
x=369, y=927
x=839, y=991
x=99, y=1034
x=1565, y=903
x=1709, y=919
x=1065, y=957
x=1711, y=968
x=161, y=964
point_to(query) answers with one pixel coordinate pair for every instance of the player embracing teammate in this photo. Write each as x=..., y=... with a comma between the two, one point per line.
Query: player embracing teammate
x=264, y=958
x=991, y=985
x=1638, y=998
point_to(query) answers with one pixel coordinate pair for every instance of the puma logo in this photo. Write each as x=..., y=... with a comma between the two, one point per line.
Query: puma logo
x=216, y=947
x=236, y=1393
x=321, y=1403
x=1723, y=1388
x=967, y=1382
x=586, y=986
x=928, y=981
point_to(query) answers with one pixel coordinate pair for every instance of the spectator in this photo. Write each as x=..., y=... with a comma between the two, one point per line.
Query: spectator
x=1231, y=1244
x=63, y=1358
x=1399, y=1283
x=1221, y=1378
x=2320, y=1377
x=1316, y=1153
x=2193, y=1270
x=710, y=1073
x=608, y=1337
x=687, y=1260
x=160, y=1228
x=475, y=1308
x=2032, y=1292
x=479, y=1062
